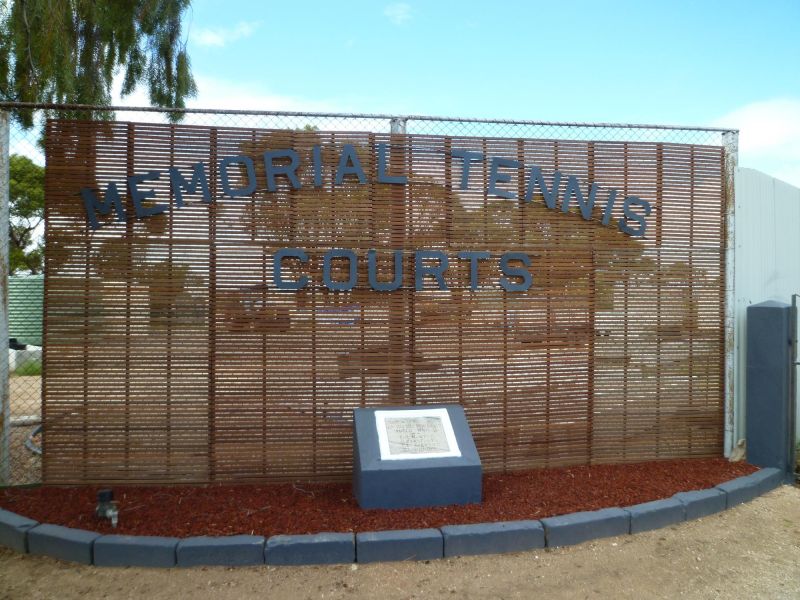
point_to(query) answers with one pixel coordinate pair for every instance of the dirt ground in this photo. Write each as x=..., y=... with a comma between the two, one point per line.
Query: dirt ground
x=752, y=551
x=25, y=399
x=25, y=393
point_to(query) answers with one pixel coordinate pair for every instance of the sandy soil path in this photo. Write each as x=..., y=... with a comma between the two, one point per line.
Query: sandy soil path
x=752, y=551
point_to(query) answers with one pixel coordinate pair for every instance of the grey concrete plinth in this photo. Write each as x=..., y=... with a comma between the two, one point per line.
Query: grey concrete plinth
x=416, y=482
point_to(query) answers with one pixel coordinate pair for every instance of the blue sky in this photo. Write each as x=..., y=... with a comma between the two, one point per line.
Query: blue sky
x=695, y=63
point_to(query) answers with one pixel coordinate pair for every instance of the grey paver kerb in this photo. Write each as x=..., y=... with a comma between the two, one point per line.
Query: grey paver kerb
x=740, y=490
x=744, y=489
x=583, y=526
x=404, y=544
x=14, y=530
x=656, y=514
x=701, y=503
x=315, y=549
x=62, y=542
x=229, y=551
x=135, y=551
x=87, y=547
x=492, y=538
x=769, y=479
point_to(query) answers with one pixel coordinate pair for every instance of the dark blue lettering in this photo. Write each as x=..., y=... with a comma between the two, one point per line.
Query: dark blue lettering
x=245, y=190
x=612, y=197
x=468, y=157
x=277, y=269
x=473, y=257
x=290, y=170
x=574, y=189
x=179, y=183
x=352, y=280
x=94, y=206
x=550, y=195
x=349, y=164
x=137, y=195
x=435, y=271
x=382, y=176
x=629, y=215
x=495, y=177
x=372, y=271
x=521, y=272
x=316, y=160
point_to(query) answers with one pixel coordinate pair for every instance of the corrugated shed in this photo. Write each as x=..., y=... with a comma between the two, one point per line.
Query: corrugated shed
x=25, y=294
x=767, y=249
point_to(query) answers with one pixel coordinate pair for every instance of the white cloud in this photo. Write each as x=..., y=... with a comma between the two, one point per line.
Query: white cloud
x=398, y=13
x=219, y=93
x=221, y=36
x=769, y=136
x=213, y=92
x=222, y=94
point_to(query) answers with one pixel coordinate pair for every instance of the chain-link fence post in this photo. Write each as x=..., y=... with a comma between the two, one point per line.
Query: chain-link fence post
x=397, y=125
x=5, y=405
x=733, y=413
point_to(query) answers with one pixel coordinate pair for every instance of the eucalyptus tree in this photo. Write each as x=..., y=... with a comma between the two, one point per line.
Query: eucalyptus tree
x=69, y=51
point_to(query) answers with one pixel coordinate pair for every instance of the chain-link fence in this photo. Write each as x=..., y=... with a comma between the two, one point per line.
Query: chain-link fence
x=20, y=463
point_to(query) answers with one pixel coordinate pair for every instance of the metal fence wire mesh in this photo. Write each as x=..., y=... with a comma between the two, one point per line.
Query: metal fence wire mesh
x=664, y=164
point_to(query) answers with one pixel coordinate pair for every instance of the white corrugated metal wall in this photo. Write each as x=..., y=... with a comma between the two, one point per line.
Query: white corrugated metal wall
x=766, y=260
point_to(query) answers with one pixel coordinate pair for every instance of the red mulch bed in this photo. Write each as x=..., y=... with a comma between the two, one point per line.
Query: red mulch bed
x=311, y=508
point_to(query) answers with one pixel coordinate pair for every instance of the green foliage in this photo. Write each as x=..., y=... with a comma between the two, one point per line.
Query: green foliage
x=69, y=51
x=31, y=367
x=26, y=212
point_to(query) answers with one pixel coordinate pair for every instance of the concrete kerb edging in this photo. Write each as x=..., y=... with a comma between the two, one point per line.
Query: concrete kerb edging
x=27, y=536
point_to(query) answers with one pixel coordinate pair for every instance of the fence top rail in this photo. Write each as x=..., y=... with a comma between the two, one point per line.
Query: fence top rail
x=90, y=107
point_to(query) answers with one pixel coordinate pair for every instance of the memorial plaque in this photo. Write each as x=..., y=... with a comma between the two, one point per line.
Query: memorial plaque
x=411, y=434
x=422, y=435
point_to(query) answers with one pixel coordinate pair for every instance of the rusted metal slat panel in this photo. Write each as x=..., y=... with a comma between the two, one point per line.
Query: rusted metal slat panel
x=171, y=356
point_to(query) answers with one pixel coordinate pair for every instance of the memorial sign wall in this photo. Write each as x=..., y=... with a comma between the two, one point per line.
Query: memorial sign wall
x=218, y=300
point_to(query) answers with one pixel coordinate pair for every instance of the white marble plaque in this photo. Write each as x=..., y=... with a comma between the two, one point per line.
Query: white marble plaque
x=413, y=434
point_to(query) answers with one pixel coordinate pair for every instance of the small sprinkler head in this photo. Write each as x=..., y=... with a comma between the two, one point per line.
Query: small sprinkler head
x=106, y=507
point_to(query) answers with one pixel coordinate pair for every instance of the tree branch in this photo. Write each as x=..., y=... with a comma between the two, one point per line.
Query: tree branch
x=28, y=38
